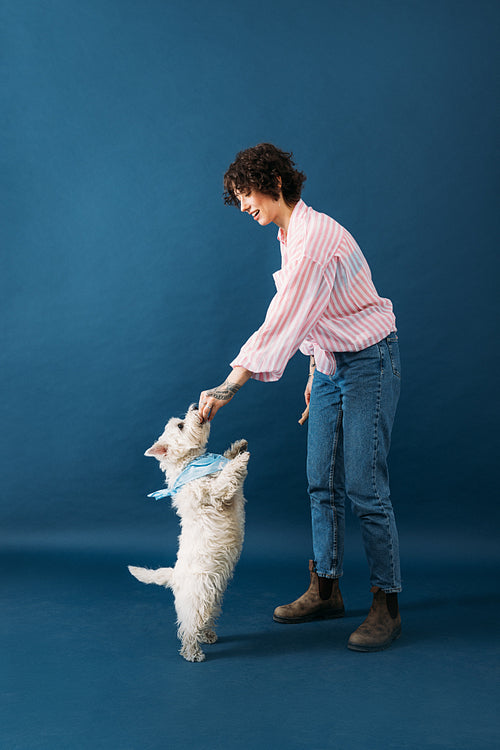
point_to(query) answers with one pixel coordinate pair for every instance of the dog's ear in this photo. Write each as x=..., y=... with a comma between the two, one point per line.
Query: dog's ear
x=157, y=450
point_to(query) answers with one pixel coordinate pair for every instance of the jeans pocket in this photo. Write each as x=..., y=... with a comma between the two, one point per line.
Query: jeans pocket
x=393, y=346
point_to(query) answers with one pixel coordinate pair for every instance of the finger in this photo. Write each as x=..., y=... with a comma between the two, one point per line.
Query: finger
x=304, y=416
x=205, y=411
x=214, y=408
x=213, y=411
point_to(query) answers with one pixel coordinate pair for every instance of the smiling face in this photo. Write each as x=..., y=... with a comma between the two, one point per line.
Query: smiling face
x=261, y=207
x=265, y=209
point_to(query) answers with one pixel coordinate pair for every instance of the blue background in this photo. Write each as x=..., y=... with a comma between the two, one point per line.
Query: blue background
x=127, y=286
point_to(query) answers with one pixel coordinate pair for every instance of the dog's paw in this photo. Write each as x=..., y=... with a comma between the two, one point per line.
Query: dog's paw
x=238, y=447
x=191, y=653
x=209, y=636
x=240, y=462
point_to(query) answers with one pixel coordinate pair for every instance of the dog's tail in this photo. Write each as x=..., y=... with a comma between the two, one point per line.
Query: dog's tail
x=161, y=576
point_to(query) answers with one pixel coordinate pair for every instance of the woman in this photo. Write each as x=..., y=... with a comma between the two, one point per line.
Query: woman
x=326, y=305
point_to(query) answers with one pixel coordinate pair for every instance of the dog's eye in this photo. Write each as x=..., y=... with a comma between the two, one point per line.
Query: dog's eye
x=181, y=425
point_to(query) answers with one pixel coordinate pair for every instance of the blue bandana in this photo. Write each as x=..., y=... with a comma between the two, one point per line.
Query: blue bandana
x=209, y=463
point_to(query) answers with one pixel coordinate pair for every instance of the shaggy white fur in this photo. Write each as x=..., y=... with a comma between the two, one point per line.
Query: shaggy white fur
x=212, y=516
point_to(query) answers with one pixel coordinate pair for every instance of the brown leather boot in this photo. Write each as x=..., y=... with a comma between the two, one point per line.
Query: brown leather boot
x=321, y=601
x=381, y=627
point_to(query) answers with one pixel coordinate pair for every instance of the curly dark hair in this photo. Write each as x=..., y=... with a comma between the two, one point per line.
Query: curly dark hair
x=260, y=168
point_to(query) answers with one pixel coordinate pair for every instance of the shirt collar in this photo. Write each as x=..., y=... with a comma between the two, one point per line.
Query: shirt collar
x=297, y=212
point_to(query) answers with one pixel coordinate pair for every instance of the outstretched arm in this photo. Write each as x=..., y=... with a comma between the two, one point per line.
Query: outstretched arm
x=212, y=400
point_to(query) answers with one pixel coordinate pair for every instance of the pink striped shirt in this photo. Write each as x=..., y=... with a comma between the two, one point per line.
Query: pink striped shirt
x=325, y=300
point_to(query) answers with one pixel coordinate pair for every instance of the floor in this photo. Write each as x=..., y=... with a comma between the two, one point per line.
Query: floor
x=91, y=658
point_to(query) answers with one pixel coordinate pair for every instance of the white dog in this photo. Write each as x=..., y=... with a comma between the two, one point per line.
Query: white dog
x=211, y=509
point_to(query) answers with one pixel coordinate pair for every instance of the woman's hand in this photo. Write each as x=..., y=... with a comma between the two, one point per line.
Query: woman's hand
x=307, y=398
x=307, y=392
x=211, y=401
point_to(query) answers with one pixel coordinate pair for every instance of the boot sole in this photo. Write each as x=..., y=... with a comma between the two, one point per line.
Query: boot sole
x=308, y=618
x=378, y=647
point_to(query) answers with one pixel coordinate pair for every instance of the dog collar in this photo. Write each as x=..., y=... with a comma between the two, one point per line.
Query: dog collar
x=209, y=463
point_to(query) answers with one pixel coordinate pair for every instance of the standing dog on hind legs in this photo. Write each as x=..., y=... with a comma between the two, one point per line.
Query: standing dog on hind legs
x=207, y=494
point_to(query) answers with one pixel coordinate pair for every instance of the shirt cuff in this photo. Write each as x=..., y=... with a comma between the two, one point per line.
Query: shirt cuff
x=264, y=377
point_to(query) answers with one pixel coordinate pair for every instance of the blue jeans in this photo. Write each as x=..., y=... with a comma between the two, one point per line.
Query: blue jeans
x=349, y=434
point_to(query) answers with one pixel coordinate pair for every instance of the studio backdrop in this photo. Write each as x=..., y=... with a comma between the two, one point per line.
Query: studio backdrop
x=127, y=286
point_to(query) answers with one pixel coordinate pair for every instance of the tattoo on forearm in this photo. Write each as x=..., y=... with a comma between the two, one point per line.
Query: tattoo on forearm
x=225, y=391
